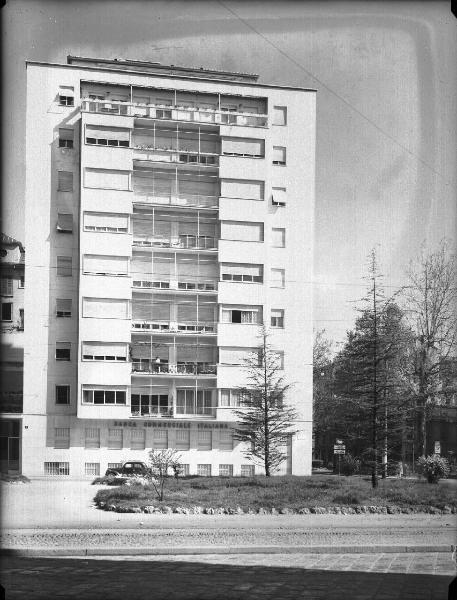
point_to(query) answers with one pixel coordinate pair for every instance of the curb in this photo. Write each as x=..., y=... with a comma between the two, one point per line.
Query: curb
x=65, y=551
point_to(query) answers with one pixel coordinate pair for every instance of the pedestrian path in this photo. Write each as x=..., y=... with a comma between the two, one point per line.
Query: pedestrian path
x=401, y=576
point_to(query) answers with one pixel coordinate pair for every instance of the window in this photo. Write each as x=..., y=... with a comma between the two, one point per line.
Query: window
x=63, y=307
x=66, y=95
x=242, y=231
x=137, y=439
x=189, y=404
x=98, y=264
x=254, y=148
x=278, y=237
x=66, y=137
x=104, y=396
x=115, y=440
x=92, y=469
x=62, y=394
x=57, y=468
x=106, y=222
x=279, y=155
x=105, y=308
x=279, y=115
x=182, y=439
x=278, y=196
x=204, y=470
x=232, y=398
x=247, y=470
x=225, y=470
x=185, y=470
x=62, y=437
x=149, y=404
x=64, y=181
x=21, y=281
x=240, y=272
x=64, y=266
x=278, y=359
x=204, y=439
x=250, y=315
x=92, y=437
x=244, y=189
x=104, y=136
x=21, y=319
x=63, y=351
x=277, y=317
x=105, y=351
x=278, y=278
x=107, y=179
x=226, y=439
x=237, y=356
x=160, y=439
x=7, y=311
x=6, y=286
x=64, y=222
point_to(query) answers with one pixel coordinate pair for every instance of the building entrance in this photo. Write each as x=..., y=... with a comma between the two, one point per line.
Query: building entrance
x=10, y=434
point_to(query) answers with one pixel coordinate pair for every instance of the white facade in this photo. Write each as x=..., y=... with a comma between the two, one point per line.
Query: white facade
x=167, y=217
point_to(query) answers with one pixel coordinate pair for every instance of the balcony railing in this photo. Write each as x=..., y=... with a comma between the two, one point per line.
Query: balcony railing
x=149, y=196
x=208, y=285
x=174, y=113
x=179, y=328
x=163, y=412
x=186, y=241
x=206, y=411
x=152, y=154
x=151, y=367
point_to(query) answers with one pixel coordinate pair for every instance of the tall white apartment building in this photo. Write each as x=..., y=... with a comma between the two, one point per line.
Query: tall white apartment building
x=169, y=214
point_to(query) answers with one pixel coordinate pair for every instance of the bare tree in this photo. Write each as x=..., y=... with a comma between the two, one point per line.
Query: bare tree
x=264, y=419
x=431, y=301
x=161, y=462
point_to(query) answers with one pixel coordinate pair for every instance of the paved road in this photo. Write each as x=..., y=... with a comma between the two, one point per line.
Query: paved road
x=228, y=577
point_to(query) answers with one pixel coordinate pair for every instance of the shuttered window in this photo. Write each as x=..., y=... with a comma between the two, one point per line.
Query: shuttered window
x=278, y=237
x=242, y=272
x=278, y=196
x=183, y=439
x=242, y=231
x=63, y=307
x=204, y=439
x=242, y=188
x=279, y=155
x=62, y=437
x=106, y=308
x=277, y=278
x=6, y=286
x=107, y=136
x=63, y=351
x=115, y=441
x=64, y=181
x=242, y=314
x=66, y=95
x=160, y=439
x=107, y=179
x=233, y=146
x=279, y=115
x=92, y=437
x=66, y=137
x=104, y=351
x=237, y=356
x=137, y=439
x=277, y=317
x=106, y=222
x=98, y=264
x=225, y=439
x=64, y=266
x=64, y=222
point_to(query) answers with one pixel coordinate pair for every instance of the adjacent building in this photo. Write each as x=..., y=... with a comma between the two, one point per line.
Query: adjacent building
x=169, y=215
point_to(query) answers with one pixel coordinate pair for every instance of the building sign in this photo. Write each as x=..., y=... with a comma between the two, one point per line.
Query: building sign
x=438, y=447
x=170, y=424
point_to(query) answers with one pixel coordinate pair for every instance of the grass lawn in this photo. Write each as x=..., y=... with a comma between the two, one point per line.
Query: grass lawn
x=283, y=492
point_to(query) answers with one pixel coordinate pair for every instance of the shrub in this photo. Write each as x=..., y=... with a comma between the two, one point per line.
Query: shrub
x=318, y=464
x=349, y=465
x=433, y=467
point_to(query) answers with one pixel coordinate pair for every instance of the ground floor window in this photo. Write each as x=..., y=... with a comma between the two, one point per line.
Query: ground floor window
x=92, y=469
x=182, y=439
x=225, y=470
x=160, y=439
x=92, y=437
x=115, y=441
x=57, y=468
x=247, y=470
x=138, y=439
x=62, y=437
x=204, y=439
x=226, y=439
x=185, y=470
x=204, y=470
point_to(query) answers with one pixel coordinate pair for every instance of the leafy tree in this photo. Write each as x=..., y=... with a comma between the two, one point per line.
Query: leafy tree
x=161, y=462
x=264, y=419
x=430, y=302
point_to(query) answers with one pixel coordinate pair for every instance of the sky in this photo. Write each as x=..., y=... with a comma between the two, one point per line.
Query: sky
x=386, y=157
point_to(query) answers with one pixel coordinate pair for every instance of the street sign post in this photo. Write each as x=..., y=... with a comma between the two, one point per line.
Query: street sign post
x=339, y=448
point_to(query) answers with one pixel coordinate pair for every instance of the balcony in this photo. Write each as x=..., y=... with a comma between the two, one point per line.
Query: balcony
x=203, y=285
x=151, y=197
x=184, y=241
x=151, y=367
x=152, y=412
x=151, y=154
x=174, y=113
x=174, y=328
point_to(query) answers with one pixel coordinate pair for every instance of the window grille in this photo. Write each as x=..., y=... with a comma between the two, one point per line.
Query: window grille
x=57, y=468
x=92, y=469
x=204, y=439
x=226, y=440
x=137, y=439
x=204, y=470
x=247, y=470
x=62, y=437
x=160, y=439
x=92, y=437
x=115, y=439
x=183, y=439
x=225, y=470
